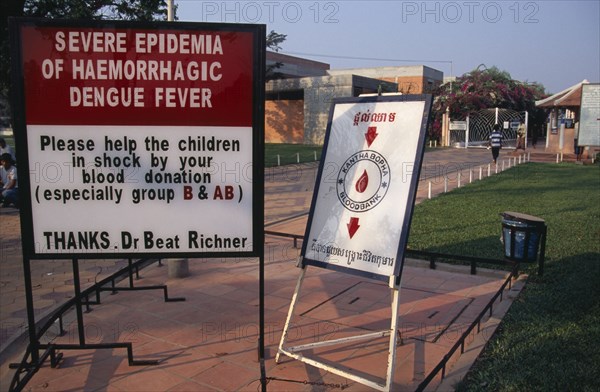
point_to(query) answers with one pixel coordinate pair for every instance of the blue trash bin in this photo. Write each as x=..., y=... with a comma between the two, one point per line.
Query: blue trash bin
x=521, y=235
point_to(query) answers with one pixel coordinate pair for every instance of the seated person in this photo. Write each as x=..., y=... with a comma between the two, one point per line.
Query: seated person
x=9, y=190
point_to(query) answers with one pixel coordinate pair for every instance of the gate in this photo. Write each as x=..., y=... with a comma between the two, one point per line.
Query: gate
x=482, y=122
x=475, y=131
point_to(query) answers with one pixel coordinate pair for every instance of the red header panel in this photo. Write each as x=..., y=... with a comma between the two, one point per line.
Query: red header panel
x=120, y=76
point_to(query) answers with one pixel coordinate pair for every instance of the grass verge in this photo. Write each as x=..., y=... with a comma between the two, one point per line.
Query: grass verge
x=290, y=153
x=549, y=338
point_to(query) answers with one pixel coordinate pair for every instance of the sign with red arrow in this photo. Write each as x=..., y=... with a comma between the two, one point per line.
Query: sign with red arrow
x=371, y=135
x=366, y=186
x=353, y=226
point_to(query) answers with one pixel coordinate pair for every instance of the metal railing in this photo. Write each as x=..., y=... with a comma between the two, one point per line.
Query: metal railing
x=32, y=361
x=295, y=237
x=27, y=368
x=441, y=366
x=433, y=257
x=473, y=262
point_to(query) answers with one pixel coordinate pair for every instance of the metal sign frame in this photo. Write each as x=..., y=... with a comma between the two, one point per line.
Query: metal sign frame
x=255, y=109
x=415, y=161
x=393, y=332
x=295, y=352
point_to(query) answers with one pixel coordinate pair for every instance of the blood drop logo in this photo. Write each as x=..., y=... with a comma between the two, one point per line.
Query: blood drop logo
x=363, y=181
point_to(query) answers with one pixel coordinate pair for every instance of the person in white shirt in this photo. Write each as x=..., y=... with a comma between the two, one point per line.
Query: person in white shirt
x=9, y=186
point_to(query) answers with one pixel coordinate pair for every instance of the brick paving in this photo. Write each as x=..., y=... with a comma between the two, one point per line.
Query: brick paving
x=209, y=342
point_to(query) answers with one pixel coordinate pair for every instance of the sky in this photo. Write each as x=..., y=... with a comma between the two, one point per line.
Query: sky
x=555, y=43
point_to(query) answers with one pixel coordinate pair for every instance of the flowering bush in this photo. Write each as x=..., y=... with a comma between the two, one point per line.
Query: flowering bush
x=482, y=89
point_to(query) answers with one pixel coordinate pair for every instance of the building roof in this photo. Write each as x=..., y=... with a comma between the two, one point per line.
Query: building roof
x=393, y=71
x=296, y=67
x=328, y=82
x=568, y=97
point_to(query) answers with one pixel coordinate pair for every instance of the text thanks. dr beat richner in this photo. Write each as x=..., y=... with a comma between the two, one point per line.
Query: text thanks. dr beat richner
x=73, y=241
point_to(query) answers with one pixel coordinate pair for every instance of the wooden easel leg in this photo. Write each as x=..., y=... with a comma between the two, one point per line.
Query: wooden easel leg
x=393, y=339
x=290, y=312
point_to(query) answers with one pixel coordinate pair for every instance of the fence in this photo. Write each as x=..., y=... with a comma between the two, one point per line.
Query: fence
x=292, y=158
x=469, y=174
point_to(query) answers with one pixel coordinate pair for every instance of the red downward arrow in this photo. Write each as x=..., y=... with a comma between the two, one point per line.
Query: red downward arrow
x=371, y=135
x=353, y=226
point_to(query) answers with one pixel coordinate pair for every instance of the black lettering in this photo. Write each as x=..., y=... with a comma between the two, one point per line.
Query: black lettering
x=193, y=239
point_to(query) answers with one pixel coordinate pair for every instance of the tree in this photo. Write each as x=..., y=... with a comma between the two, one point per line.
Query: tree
x=144, y=10
x=274, y=40
x=481, y=89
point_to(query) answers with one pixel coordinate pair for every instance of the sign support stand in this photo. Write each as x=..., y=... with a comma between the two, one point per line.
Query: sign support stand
x=50, y=348
x=78, y=310
x=33, y=341
x=261, y=317
x=374, y=191
x=281, y=349
x=393, y=332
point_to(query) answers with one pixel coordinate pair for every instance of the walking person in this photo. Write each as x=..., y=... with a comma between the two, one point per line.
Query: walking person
x=521, y=131
x=495, y=142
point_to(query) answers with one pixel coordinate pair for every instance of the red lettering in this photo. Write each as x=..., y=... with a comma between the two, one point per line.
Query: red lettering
x=228, y=192
x=187, y=193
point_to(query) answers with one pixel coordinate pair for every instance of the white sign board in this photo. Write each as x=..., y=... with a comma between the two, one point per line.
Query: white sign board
x=589, y=119
x=139, y=192
x=458, y=125
x=365, y=192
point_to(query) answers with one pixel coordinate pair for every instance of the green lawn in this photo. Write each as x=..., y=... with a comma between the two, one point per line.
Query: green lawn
x=550, y=337
x=289, y=153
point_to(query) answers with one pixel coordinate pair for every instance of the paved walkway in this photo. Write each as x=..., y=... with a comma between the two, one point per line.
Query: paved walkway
x=209, y=342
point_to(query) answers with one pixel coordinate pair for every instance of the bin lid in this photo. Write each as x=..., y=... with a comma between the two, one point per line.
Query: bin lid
x=519, y=217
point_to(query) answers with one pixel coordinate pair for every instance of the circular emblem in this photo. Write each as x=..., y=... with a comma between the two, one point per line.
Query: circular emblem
x=363, y=181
